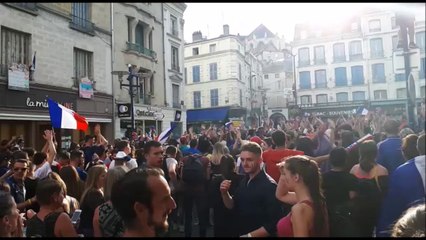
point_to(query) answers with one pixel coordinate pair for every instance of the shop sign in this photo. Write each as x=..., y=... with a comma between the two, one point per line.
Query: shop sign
x=124, y=110
x=19, y=77
x=86, y=88
x=33, y=103
x=154, y=112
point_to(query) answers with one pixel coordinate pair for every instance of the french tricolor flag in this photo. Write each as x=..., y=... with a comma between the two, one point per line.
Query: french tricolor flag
x=162, y=138
x=62, y=117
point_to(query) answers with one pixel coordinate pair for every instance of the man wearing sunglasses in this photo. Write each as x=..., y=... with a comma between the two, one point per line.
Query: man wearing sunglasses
x=17, y=186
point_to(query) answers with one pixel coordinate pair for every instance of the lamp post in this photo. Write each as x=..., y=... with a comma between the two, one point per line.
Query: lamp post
x=405, y=22
x=132, y=75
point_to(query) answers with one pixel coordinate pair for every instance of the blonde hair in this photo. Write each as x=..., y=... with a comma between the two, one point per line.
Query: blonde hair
x=218, y=153
x=112, y=176
x=92, y=179
x=411, y=223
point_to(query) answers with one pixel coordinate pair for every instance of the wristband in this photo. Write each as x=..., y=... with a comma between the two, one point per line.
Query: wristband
x=249, y=235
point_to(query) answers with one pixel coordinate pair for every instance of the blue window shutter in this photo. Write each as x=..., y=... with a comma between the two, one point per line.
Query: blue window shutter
x=378, y=71
x=305, y=80
x=357, y=75
x=196, y=74
x=341, y=79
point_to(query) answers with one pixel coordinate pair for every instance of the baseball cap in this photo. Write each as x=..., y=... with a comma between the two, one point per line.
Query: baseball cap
x=122, y=156
x=256, y=139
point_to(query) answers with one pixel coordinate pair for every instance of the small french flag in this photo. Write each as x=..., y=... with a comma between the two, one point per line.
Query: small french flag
x=62, y=117
x=229, y=124
x=162, y=138
x=33, y=63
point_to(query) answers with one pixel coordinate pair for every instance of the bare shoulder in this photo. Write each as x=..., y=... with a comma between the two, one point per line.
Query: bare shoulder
x=354, y=168
x=381, y=170
x=301, y=208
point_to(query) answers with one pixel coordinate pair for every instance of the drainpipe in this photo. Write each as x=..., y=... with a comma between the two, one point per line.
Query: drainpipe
x=164, y=55
x=112, y=67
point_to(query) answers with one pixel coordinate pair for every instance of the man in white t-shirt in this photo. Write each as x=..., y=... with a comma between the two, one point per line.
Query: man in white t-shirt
x=124, y=146
x=171, y=163
x=44, y=160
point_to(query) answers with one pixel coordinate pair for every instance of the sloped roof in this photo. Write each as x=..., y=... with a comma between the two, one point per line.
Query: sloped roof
x=261, y=31
x=262, y=47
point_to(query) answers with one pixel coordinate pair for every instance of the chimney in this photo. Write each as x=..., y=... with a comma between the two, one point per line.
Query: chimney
x=197, y=36
x=226, y=29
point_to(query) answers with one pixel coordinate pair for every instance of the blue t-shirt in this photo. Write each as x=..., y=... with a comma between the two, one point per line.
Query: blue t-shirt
x=191, y=151
x=389, y=153
x=82, y=174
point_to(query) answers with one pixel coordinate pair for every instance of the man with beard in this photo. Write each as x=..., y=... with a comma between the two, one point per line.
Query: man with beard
x=254, y=202
x=143, y=200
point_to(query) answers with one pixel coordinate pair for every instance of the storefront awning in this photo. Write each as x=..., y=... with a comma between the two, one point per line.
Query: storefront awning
x=207, y=115
x=34, y=117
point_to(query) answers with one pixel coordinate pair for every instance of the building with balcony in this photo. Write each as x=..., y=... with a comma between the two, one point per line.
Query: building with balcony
x=174, y=47
x=354, y=65
x=138, y=32
x=222, y=81
x=70, y=44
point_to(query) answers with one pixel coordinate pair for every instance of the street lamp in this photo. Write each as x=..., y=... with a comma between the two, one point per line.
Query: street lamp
x=132, y=75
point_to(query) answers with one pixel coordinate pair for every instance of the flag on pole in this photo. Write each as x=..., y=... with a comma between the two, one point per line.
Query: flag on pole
x=33, y=62
x=162, y=138
x=62, y=117
x=361, y=111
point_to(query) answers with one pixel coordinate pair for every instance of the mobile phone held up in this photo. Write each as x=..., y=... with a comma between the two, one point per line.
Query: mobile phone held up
x=76, y=216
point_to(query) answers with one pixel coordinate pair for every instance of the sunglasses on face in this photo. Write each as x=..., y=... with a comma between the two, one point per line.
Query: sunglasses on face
x=19, y=169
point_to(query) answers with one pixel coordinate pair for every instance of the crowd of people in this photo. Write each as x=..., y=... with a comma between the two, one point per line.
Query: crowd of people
x=360, y=176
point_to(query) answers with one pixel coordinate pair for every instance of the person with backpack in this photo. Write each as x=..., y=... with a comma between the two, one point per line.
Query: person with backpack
x=194, y=177
x=339, y=188
x=48, y=222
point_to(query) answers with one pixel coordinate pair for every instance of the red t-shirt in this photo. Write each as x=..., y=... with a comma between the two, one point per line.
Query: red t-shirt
x=274, y=156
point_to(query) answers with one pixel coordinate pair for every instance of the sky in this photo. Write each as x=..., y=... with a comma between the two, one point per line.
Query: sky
x=280, y=18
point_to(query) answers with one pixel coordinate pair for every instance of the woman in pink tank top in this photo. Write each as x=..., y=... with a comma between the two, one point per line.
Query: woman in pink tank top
x=299, y=185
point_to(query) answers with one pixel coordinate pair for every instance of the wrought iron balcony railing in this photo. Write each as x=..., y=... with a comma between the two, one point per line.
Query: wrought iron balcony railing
x=82, y=24
x=140, y=49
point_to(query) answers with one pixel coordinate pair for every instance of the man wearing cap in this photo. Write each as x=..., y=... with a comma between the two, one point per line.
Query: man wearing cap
x=124, y=147
x=121, y=158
